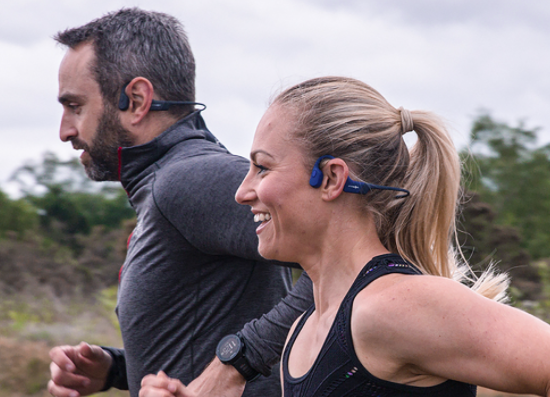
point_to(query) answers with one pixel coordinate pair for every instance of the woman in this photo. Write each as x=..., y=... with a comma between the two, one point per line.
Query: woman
x=337, y=190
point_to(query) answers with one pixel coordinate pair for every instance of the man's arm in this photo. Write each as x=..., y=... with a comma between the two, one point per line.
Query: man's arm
x=220, y=226
x=81, y=369
x=264, y=338
x=117, y=376
x=205, y=212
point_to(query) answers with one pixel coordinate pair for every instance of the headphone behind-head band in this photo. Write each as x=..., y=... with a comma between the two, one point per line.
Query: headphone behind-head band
x=156, y=105
x=350, y=186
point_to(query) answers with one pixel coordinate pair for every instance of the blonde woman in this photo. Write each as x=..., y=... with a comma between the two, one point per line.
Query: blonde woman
x=336, y=189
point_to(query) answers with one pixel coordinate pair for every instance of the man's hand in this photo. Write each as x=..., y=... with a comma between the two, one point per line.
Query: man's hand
x=161, y=385
x=217, y=380
x=78, y=370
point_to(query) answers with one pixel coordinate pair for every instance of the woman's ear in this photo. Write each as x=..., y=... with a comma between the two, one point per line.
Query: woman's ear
x=140, y=92
x=335, y=174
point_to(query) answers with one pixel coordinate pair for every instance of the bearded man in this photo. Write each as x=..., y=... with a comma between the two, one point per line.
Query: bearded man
x=192, y=273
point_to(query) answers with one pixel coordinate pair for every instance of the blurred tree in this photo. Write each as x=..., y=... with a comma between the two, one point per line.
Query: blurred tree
x=512, y=174
x=484, y=242
x=16, y=216
x=35, y=178
x=69, y=203
x=65, y=234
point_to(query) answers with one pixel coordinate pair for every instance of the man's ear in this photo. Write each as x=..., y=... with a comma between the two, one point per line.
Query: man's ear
x=140, y=93
x=335, y=174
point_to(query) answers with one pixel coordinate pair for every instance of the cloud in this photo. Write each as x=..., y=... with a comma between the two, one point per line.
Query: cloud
x=451, y=57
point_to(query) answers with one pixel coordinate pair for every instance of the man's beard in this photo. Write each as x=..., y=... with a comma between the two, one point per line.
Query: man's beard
x=103, y=151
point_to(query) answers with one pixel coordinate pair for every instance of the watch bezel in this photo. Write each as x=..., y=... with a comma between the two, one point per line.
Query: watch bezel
x=237, y=359
x=236, y=352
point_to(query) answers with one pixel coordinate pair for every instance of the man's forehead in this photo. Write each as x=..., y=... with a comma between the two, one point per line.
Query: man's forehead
x=78, y=59
x=75, y=72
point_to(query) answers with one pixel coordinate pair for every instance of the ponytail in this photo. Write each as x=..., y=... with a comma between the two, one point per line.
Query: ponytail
x=424, y=229
x=347, y=118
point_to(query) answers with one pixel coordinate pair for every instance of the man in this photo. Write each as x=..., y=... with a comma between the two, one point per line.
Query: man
x=192, y=273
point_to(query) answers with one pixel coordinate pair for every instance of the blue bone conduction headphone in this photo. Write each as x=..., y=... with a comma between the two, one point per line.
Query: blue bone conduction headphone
x=124, y=102
x=351, y=186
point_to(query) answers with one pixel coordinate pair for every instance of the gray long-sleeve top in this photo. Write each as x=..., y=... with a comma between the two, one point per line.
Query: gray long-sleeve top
x=193, y=273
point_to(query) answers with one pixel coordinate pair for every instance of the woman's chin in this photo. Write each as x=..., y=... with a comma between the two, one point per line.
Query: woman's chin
x=266, y=254
x=275, y=255
x=269, y=253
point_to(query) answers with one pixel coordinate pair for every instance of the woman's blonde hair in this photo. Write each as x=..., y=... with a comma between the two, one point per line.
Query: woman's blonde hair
x=347, y=118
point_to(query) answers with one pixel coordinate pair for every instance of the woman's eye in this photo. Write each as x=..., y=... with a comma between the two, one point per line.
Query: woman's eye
x=261, y=168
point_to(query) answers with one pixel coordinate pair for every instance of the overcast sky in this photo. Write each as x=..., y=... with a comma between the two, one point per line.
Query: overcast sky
x=452, y=57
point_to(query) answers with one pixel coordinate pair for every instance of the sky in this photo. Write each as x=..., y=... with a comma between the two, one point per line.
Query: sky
x=452, y=57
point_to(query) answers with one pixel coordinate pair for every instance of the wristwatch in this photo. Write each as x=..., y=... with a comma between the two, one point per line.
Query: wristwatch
x=230, y=351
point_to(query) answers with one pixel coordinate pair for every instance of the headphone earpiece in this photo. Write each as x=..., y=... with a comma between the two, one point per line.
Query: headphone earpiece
x=350, y=186
x=317, y=175
x=316, y=178
x=124, y=102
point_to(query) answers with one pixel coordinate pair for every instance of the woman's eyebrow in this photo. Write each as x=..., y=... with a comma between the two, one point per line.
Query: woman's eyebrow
x=259, y=151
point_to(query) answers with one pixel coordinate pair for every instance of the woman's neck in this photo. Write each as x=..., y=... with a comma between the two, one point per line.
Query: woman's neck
x=343, y=250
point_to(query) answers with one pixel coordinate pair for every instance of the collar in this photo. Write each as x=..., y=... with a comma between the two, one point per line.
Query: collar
x=132, y=161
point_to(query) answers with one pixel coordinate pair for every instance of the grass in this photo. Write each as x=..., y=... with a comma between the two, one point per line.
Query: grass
x=31, y=326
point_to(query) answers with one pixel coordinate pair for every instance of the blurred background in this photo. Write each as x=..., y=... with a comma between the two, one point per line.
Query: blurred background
x=482, y=66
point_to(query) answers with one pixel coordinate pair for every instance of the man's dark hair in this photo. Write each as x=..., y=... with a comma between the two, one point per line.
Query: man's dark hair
x=132, y=42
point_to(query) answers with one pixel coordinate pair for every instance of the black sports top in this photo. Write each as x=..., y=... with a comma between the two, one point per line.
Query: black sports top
x=337, y=371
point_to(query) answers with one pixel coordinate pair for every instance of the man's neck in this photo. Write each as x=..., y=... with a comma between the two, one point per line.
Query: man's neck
x=151, y=127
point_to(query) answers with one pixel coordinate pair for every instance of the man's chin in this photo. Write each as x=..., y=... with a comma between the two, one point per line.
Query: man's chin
x=99, y=175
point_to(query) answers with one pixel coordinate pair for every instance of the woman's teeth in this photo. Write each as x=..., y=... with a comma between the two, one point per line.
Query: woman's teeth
x=261, y=217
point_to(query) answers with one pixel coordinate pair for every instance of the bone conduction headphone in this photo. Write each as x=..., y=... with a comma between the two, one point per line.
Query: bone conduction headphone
x=124, y=102
x=351, y=186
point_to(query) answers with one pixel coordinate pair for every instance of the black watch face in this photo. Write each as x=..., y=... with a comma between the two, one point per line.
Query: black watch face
x=228, y=348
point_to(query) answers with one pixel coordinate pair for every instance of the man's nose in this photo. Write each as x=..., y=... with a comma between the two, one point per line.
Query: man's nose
x=67, y=129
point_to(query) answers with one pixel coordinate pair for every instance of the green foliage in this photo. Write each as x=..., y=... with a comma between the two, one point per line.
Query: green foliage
x=484, y=242
x=16, y=216
x=68, y=203
x=61, y=246
x=36, y=375
x=512, y=174
x=79, y=212
x=19, y=314
x=66, y=233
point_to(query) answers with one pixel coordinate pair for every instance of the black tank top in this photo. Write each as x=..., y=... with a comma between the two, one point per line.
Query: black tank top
x=337, y=371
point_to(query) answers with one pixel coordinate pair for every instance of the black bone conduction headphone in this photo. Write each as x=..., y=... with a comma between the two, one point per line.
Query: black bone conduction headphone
x=124, y=102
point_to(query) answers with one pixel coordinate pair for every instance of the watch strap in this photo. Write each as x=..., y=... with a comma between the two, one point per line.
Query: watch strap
x=238, y=361
x=248, y=373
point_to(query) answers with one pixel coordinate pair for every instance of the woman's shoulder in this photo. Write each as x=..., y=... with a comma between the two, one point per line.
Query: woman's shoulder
x=409, y=326
x=401, y=321
x=396, y=302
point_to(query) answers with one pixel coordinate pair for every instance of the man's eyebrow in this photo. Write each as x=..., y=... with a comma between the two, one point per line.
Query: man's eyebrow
x=256, y=152
x=65, y=98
